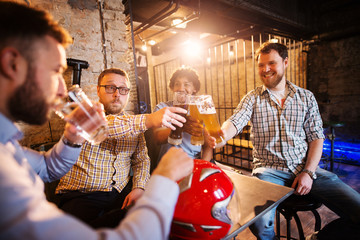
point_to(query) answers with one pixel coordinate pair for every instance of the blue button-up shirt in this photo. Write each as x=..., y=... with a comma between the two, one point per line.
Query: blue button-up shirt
x=26, y=214
x=50, y=166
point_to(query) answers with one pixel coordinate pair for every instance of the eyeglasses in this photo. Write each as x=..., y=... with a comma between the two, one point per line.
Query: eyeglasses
x=112, y=89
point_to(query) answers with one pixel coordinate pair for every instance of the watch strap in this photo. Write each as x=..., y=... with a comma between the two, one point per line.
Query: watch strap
x=311, y=173
x=71, y=144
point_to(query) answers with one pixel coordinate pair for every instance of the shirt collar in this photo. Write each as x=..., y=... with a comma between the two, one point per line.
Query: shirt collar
x=122, y=113
x=8, y=130
x=290, y=86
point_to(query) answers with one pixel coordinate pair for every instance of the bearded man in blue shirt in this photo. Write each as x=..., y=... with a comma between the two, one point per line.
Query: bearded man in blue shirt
x=32, y=60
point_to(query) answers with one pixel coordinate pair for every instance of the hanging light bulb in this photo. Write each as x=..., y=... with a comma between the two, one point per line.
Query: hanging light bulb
x=151, y=42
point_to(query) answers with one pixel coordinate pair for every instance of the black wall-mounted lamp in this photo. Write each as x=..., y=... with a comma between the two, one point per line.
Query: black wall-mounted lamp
x=77, y=66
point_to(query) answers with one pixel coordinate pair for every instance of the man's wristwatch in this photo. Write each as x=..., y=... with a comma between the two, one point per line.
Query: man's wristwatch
x=311, y=174
x=70, y=144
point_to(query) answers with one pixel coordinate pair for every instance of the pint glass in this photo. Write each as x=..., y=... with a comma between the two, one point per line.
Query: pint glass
x=78, y=110
x=207, y=112
x=180, y=100
x=194, y=113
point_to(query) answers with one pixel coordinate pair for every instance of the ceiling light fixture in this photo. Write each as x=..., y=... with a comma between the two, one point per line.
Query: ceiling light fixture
x=178, y=23
x=151, y=42
x=192, y=48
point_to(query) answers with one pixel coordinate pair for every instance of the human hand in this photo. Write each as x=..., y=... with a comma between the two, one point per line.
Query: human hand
x=302, y=184
x=166, y=117
x=193, y=126
x=208, y=147
x=71, y=132
x=222, y=143
x=175, y=164
x=209, y=141
x=131, y=198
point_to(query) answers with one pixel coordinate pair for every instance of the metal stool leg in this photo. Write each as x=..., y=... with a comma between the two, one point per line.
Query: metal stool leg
x=299, y=226
x=317, y=220
x=332, y=148
x=277, y=224
x=288, y=229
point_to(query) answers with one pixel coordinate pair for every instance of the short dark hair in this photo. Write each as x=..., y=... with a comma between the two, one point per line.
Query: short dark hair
x=268, y=46
x=112, y=70
x=22, y=26
x=187, y=72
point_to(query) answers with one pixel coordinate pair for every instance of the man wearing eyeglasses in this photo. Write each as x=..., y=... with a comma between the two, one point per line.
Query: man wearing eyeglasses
x=99, y=188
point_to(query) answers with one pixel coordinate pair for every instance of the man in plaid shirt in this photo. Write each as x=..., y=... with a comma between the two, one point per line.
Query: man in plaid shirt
x=287, y=135
x=101, y=180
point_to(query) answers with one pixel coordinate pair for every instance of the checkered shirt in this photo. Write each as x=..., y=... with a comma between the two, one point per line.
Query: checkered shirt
x=280, y=136
x=107, y=165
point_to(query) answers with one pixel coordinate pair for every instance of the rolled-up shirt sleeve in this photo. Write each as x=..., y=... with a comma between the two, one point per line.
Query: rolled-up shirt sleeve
x=243, y=112
x=313, y=124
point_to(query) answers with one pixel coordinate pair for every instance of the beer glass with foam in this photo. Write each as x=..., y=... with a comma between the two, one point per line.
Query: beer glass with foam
x=194, y=113
x=180, y=100
x=207, y=112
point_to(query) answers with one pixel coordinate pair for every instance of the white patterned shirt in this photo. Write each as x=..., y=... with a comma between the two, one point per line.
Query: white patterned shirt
x=280, y=135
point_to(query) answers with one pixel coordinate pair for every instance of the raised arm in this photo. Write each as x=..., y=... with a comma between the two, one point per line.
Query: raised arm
x=26, y=212
x=229, y=131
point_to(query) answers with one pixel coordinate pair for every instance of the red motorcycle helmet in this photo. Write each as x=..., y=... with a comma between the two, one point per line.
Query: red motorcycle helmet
x=202, y=208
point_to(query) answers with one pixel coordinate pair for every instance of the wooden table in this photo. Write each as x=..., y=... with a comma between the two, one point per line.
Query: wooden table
x=256, y=198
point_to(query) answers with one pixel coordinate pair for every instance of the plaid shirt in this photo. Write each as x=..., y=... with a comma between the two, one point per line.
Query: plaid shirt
x=107, y=165
x=280, y=136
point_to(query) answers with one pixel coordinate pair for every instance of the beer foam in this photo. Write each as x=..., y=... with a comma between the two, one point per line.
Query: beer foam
x=206, y=108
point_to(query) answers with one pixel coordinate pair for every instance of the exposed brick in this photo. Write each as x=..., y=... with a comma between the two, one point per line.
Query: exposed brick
x=82, y=20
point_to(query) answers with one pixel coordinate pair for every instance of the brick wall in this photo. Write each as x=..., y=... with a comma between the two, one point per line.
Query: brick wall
x=100, y=38
x=334, y=70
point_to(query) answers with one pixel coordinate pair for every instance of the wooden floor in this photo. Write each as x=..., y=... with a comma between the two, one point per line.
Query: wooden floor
x=348, y=173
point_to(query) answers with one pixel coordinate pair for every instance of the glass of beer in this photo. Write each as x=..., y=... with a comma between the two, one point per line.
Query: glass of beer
x=78, y=110
x=180, y=100
x=207, y=112
x=194, y=113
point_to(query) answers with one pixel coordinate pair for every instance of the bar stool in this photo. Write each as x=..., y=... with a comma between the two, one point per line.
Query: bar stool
x=289, y=209
x=331, y=137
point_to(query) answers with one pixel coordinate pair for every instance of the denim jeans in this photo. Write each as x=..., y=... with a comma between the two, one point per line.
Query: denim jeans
x=327, y=188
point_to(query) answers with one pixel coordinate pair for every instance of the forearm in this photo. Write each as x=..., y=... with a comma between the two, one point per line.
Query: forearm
x=55, y=163
x=314, y=154
x=161, y=135
x=26, y=212
x=153, y=212
x=126, y=125
x=229, y=131
x=207, y=153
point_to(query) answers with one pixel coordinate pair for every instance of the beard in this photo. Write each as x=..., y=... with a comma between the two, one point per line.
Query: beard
x=114, y=107
x=28, y=104
x=274, y=83
x=111, y=108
